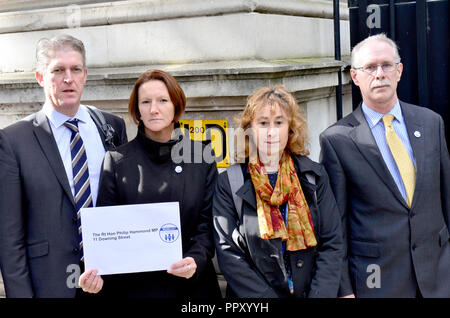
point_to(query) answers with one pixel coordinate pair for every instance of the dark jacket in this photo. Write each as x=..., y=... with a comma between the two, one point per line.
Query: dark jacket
x=254, y=267
x=38, y=222
x=143, y=171
x=404, y=249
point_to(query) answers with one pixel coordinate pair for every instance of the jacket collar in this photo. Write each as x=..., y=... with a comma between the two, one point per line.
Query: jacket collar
x=303, y=165
x=158, y=151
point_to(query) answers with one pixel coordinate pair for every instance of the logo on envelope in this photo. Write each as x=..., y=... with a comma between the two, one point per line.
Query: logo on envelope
x=169, y=233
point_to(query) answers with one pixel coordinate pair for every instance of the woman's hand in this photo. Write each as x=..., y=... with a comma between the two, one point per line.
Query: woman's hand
x=184, y=268
x=90, y=282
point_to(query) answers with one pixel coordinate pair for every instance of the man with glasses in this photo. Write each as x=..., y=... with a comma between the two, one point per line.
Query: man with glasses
x=389, y=168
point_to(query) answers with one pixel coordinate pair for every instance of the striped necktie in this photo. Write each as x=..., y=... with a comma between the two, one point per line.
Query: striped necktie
x=402, y=159
x=83, y=197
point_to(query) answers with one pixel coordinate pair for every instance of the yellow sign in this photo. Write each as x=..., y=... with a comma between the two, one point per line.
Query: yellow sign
x=212, y=131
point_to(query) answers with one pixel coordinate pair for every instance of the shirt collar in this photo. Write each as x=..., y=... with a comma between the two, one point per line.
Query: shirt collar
x=58, y=119
x=373, y=117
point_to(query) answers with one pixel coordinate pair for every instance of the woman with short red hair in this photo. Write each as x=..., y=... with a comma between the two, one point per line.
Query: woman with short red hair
x=148, y=170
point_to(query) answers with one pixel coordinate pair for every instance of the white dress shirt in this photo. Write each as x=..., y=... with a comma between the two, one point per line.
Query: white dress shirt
x=93, y=145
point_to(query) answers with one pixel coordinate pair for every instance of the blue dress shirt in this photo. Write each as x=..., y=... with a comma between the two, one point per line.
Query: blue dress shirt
x=374, y=119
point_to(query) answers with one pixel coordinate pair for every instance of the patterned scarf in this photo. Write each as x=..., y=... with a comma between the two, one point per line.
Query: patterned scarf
x=300, y=229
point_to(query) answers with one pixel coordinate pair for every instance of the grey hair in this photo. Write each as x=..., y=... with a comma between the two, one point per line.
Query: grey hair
x=377, y=37
x=47, y=47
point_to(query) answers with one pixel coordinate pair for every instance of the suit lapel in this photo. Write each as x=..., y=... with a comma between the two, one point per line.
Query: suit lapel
x=44, y=135
x=417, y=140
x=365, y=142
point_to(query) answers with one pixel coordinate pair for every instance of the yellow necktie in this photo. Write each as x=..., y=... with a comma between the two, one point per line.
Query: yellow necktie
x=402, y=159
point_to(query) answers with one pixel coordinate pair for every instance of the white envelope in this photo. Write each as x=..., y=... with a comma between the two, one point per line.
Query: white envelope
x=131, y=238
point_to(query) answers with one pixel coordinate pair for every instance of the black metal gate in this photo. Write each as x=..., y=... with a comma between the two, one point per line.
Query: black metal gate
x=421, y=30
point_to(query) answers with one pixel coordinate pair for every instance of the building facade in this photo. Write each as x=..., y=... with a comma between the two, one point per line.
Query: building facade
x=219, y=50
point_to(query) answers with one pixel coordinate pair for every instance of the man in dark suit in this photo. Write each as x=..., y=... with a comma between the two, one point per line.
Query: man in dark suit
x=49, y=169
x=389, y=168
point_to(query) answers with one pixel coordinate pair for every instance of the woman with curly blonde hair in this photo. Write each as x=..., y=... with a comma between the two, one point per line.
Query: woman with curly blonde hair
x=286, y=241
x=298, y=136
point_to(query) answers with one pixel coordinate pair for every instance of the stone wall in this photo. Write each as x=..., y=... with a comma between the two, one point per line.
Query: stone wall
x=219, y=50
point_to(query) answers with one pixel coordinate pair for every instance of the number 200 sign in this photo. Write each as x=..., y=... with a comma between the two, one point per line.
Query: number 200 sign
x=210, y=131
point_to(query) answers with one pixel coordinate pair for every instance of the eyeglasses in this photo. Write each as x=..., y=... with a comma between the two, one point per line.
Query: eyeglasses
x=372, y=69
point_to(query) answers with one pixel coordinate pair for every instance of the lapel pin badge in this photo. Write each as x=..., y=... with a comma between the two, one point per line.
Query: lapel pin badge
x=417, y=134
x=178, y=169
